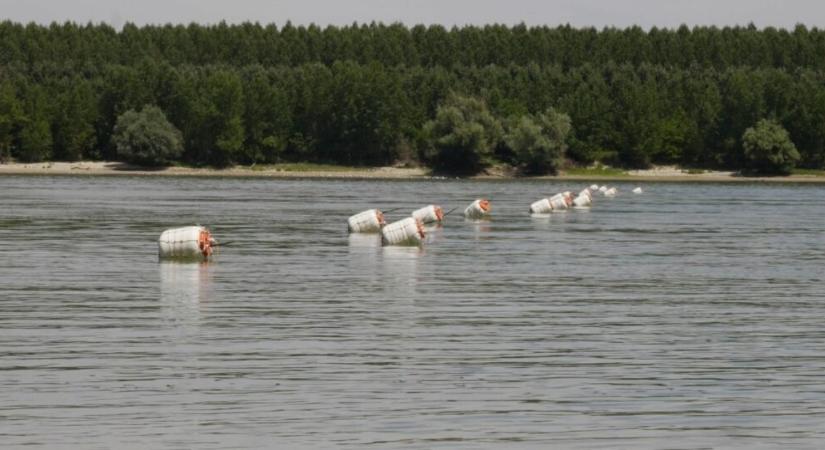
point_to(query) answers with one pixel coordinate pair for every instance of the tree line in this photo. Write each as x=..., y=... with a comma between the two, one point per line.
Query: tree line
x=379, y=94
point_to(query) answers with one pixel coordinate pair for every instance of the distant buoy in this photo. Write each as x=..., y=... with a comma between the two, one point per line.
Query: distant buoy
x=409, y=231
x=561, y=201
x=541, y=207
x=429, y=214
x=193, y=243
x=479, y=209
x=369, y=221
x=638, y=190
x=582, y=201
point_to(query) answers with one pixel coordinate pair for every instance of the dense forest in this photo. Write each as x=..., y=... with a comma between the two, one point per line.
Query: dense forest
x=379, y=94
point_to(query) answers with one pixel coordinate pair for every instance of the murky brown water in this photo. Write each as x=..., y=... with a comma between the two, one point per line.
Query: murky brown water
x=692, y=316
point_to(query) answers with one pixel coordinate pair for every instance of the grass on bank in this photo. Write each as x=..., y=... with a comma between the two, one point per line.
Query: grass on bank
x=305, y=167
x=809, y=172
x=599, y=171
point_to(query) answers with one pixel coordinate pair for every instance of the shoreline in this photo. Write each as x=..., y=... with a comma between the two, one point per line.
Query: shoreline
x=102, y=168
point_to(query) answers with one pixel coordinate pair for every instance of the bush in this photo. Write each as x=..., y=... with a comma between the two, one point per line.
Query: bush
x=768, y=149
x=147, y=138
x=462, y=136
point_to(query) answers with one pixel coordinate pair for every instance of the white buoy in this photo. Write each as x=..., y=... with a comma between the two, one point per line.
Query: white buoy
x=409, y=231
x=193, y=243
x=611, y=192
x=479, y=209
x=582, y=201
x=594, y=187
x=541, y=207
x=560, y=201
x=429, y=214
x=638, y=190
x=602, y=189
x=586, y=193
x=369, y=221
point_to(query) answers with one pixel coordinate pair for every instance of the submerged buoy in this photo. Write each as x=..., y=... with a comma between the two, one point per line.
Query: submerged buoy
x=638, y=190
x=194, y=243
x=479, y=209
x=409, y=231
x=369, y=221
x=429, y=214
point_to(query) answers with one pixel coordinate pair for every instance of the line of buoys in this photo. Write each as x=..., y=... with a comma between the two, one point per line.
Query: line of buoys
x=197, y=242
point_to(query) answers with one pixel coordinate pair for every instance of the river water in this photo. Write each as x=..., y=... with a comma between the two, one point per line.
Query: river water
x=691, y=316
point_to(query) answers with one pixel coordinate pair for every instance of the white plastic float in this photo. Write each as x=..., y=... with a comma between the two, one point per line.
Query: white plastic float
x=638, y=190
x=429, y=214
x=561, y=201
x=479, y=209
x=541, y=207
x=369, y=221
x=193, y=242
x=409, y=231
x=583, y=200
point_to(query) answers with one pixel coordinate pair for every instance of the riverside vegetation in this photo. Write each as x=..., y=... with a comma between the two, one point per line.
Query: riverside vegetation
x=457, y=100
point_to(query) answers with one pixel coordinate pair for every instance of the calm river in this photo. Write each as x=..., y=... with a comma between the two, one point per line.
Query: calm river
x=691, y=316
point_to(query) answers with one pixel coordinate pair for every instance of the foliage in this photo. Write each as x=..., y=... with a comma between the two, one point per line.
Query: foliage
x=769, y=149
x=364, y=94
x=462, y=135
x=539, y=142
x=147, y=138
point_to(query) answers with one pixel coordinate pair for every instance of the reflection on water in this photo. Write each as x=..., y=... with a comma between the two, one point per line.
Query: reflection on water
x=183, y=288
x=691, y=315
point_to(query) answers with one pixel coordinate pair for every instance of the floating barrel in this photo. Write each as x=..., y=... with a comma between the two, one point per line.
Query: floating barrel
x=369, y=221
x=478, y=209
x=541, y=207
x=582, y=201
x=638, y=190
x=193, y=243
x=429, y=214
x=560, y=202
x=409, y=231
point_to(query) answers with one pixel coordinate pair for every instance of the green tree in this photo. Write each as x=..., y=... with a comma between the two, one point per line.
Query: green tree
x=768, y=149
x=146, y=137
x=10, y=116
x=539, y=142
x=462, y=136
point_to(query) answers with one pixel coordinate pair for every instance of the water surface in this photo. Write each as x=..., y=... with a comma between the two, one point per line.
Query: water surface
x=687, y=317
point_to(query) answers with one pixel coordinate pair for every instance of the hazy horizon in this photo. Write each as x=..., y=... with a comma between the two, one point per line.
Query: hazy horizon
x=582, y=13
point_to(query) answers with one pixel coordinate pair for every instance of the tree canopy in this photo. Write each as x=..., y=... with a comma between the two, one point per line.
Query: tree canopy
x=371, y=94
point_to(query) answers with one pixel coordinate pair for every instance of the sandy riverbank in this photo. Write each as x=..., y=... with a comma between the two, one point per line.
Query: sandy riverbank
x=664, y=173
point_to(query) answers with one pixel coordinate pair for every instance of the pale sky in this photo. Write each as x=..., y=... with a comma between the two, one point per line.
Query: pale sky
x=599, y=13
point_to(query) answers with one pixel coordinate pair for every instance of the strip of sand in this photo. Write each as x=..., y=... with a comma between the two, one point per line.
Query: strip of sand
x=665, y=173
